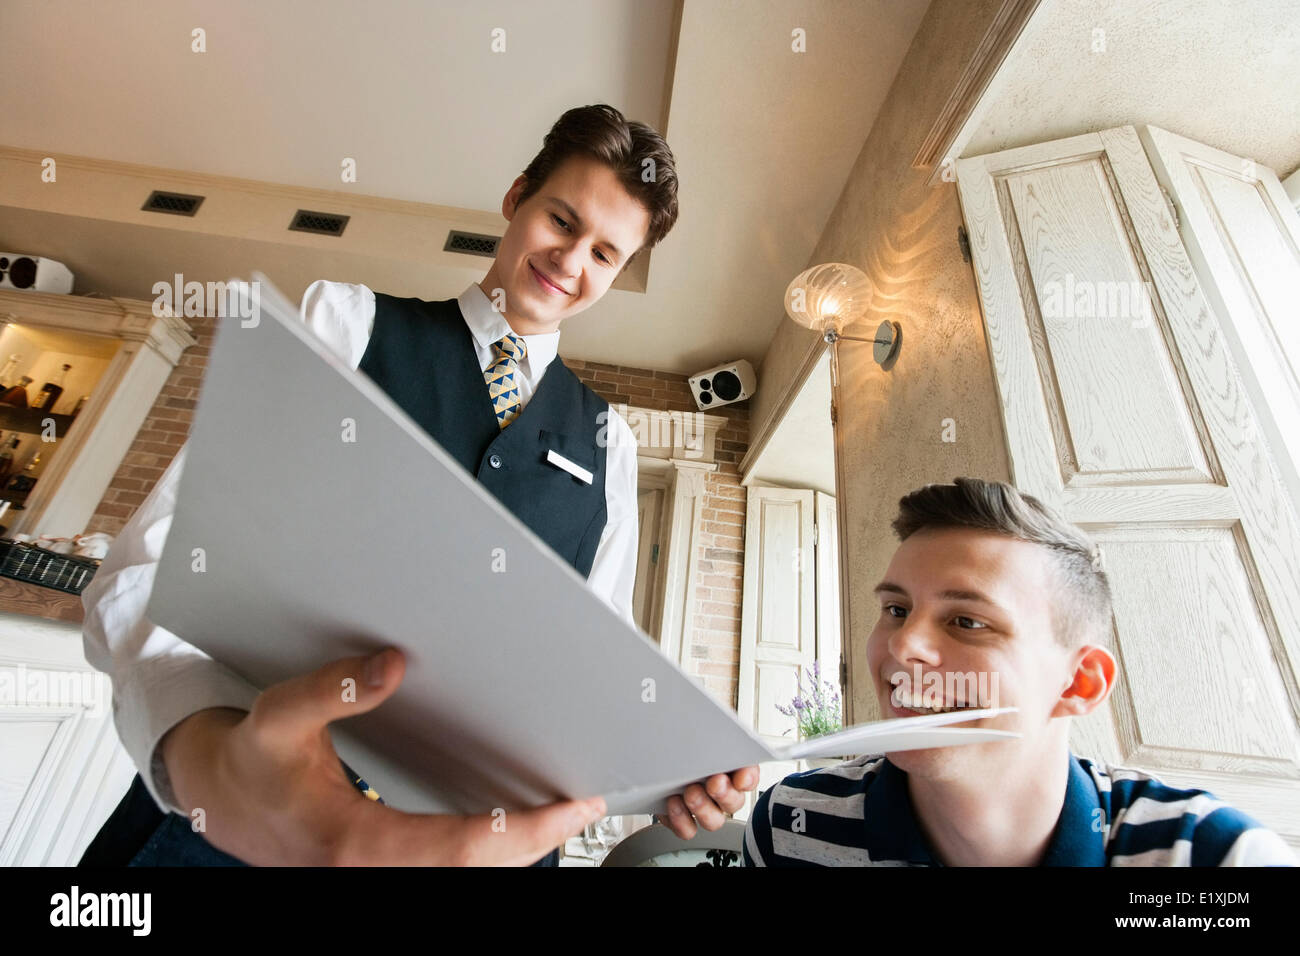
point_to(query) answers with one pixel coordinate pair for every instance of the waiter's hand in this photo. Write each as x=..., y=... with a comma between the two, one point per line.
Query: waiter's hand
x=708, y=803
x=272, y=790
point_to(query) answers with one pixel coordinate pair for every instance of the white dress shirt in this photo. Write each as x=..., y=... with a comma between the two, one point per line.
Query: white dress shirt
x=159, y=679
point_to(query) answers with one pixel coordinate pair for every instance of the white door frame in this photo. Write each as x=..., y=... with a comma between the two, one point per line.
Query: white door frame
x=675, y=453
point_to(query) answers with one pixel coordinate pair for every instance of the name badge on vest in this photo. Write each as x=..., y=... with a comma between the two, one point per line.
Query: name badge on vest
x=559, y=461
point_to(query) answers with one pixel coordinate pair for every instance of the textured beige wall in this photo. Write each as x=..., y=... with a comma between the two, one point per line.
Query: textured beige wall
x=1168, y=64
x=903, y=234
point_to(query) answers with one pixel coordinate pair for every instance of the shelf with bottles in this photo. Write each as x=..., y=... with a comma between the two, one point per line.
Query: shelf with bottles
x=21, y=411
x=33, y=421
x=22, y=459
x=47, y=375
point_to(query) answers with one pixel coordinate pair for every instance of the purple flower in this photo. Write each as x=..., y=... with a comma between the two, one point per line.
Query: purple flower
x=799, y=704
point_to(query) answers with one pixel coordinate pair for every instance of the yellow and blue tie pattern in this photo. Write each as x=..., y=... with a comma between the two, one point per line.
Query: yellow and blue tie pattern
x=502, y=378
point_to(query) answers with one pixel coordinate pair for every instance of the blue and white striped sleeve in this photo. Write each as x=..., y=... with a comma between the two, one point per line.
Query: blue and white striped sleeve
x=1228, y=837
x=758, y=833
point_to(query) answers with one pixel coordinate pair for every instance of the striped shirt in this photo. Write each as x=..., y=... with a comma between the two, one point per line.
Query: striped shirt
x=860, y=814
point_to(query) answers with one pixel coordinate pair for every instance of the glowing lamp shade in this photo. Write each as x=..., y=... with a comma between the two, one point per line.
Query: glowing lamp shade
x=828, y=296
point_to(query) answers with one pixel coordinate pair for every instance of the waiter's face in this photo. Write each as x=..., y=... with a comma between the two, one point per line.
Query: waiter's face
x=565, y=244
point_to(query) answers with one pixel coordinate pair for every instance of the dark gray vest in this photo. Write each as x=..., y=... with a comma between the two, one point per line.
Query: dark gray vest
x=422, y=354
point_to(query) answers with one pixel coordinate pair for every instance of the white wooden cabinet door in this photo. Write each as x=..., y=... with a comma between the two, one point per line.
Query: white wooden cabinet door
x=1124, y=408
x=1243, y=237
x=778, y=621
x=62, y=767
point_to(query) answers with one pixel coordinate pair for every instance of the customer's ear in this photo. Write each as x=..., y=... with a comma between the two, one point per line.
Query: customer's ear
x=1093, y=678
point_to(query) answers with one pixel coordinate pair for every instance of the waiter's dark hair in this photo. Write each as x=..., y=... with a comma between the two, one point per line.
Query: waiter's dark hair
x=638, y=155
x=1081, y=605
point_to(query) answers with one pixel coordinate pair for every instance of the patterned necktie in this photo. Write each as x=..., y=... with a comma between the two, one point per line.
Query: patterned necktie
x=502, y=378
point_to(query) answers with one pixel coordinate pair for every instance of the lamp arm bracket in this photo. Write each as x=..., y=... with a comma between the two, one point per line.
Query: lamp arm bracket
x=887, y=340
x=832, y=336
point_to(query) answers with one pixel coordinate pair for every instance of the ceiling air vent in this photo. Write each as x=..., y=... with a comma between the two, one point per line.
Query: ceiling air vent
x=471, y=244
x=177, y=204
x=322, y=223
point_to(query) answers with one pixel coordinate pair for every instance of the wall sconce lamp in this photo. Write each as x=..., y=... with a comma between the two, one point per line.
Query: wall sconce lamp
x=832, y=296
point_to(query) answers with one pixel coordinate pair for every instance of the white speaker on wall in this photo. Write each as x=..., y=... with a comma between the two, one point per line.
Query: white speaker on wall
x=33, y=274
x=730, y=382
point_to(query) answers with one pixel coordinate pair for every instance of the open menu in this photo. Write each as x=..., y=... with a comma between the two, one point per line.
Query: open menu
x=316, y=520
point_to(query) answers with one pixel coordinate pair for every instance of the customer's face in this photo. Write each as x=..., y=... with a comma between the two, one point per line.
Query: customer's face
x=971, y=613
x=565, y=244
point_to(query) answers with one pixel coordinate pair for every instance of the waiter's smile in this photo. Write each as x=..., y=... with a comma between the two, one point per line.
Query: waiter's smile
x=550, y=287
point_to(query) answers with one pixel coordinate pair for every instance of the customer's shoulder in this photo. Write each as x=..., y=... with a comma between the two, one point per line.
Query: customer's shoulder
x=845, y=780
x=1124, y=788
x=1151, y=821
x=813, y=817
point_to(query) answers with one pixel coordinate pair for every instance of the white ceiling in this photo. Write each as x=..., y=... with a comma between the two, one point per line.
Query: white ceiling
x=764, y=137
x=409, y=88
x=1222, y=72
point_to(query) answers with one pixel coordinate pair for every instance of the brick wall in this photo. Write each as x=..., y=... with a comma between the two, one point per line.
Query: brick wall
x=715, y=652
x=716, y=601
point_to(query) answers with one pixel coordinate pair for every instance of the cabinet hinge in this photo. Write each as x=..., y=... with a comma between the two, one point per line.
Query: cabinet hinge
x=1173, y=209
x=963, y=243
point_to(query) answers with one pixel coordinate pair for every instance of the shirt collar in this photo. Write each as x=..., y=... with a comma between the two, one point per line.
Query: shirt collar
x=893, y=834
x=487, y=325
x=1079, y=839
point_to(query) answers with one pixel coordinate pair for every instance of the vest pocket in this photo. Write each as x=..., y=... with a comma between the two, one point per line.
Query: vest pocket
x=576, y=450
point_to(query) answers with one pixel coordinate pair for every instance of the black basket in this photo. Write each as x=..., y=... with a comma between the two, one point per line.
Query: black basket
x=62, y=572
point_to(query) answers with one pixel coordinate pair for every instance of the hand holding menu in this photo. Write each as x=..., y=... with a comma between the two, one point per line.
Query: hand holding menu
x=315, y=520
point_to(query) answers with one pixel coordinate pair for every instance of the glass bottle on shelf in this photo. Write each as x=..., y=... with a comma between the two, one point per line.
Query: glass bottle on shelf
x=8, y=370
x=17, y=396
x=7, y=463
x=51, y=391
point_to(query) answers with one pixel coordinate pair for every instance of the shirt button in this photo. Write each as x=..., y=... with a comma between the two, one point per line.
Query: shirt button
x=495, y=461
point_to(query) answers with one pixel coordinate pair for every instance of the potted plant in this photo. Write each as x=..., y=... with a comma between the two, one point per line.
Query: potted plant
x=816, y=711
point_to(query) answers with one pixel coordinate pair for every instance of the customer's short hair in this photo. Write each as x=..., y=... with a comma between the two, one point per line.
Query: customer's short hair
x=637, y=154
x=1081, y=609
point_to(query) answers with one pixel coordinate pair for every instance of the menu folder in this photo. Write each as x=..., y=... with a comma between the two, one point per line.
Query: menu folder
x=316, y=520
